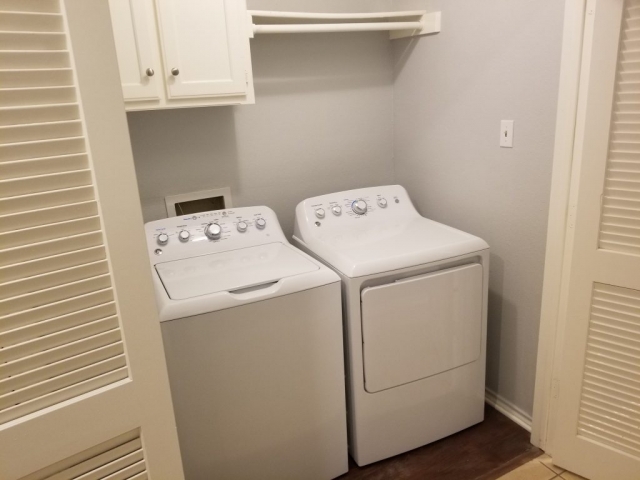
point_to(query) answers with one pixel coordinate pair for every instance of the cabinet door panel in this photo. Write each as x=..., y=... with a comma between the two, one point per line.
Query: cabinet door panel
x=206, y=40
x=136, y=46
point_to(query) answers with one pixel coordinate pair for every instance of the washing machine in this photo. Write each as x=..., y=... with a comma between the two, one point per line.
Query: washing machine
x=415, y=317
x=252, y=330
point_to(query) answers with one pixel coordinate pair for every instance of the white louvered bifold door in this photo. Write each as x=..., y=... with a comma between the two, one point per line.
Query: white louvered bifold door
x=596, y=422
x=83, y=382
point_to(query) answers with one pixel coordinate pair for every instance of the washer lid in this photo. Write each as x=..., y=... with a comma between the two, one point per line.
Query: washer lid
x=231, y=270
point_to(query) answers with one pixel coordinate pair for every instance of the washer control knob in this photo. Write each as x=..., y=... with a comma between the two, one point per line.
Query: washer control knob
x=260, y=223
x=382, y=202
x=337, y=210
x=320, y=212
x=359, y=207
x=242, y=227
x=184, y=235
x=163, y=239
x=213, y=231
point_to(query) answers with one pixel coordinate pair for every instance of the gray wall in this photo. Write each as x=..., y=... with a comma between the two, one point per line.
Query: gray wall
x=322, y=122
x=324, y=119
x=493, y=60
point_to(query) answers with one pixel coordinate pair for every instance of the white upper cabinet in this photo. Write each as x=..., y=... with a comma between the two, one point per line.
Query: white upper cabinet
x=135, y=37
x=202, y=46
x=181, y=54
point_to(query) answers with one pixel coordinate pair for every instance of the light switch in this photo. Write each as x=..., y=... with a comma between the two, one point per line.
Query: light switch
x=506, y=133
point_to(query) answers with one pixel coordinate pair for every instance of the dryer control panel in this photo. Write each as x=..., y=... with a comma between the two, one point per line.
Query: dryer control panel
x=358, y=204
x=187, y=236
x=369, y=230
x=380, y=206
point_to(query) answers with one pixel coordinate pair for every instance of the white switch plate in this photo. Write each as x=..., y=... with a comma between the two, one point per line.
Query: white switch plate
x=506, y=133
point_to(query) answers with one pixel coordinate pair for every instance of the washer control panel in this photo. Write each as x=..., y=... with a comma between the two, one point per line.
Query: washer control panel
x=187, y=236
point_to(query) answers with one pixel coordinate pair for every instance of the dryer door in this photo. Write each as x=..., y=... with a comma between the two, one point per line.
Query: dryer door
x=421, y=326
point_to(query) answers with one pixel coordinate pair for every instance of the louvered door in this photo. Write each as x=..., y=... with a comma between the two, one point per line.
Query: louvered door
x=83, y=383
x=597, y=419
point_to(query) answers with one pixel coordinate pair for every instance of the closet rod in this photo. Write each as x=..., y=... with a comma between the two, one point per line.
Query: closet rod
x=335, y=16
x=336, y=27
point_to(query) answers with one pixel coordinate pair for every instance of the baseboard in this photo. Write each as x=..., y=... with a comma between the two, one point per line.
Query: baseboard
x=508, y=409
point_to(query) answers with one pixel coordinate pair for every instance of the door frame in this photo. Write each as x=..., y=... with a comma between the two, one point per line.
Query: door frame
x=561, y=221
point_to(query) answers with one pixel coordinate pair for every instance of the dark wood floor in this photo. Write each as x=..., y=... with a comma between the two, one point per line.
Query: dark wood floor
x=483, y=452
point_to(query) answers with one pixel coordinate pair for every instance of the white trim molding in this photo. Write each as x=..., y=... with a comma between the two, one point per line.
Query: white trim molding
x=550, y=326
x=508, y=409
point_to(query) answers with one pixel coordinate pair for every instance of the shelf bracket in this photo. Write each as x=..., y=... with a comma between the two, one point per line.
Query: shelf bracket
x=431, y=24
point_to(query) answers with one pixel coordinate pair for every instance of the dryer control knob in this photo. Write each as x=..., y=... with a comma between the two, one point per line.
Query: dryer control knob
x=213, y=231
x=320, y=212
x=242, y=227
x=382, y=202
x=261, y=223
x=337, y=210
x=184, y=235
x=163, y=239
x=359, y=207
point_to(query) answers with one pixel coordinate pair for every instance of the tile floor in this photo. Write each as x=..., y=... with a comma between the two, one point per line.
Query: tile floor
x=541, y=468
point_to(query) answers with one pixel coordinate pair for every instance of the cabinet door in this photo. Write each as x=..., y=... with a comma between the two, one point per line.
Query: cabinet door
x=205, y=44
x=137, y=48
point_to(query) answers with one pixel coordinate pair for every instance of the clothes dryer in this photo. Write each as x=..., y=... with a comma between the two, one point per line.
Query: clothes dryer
x=415, y=316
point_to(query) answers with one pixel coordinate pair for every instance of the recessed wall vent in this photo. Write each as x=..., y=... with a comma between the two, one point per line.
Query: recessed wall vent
x=195, y=202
